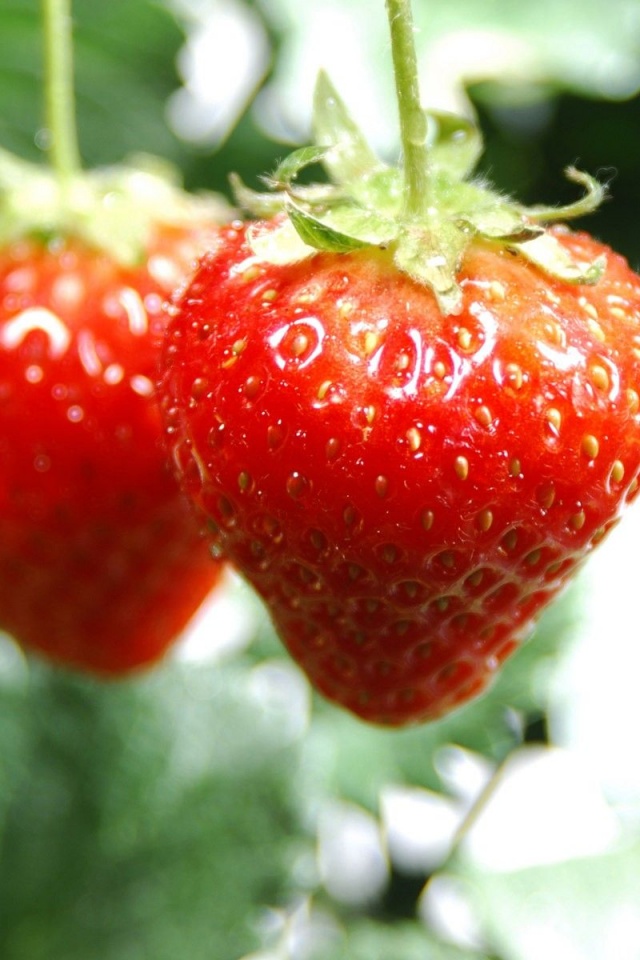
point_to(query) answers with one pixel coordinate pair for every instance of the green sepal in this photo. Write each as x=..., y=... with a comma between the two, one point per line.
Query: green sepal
x=111, y=209
x=350, y=157
x=279, y=246
x=265, y=205
x=553, y=259
x=318, y=234
x=364, y=205
x=431, y=257
x=290, y=167
x=365, y=224
x=455, y=144
x=381, y=191
x=594, y=195
x=500, y=222
x=260, y=204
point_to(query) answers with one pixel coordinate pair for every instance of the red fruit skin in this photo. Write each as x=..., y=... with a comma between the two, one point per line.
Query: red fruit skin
x=407, y=491
x=102, y=558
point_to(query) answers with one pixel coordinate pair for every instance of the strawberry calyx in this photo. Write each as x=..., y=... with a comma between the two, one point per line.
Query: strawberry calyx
x=113, y=209
x=364, y=205
x=426, y=213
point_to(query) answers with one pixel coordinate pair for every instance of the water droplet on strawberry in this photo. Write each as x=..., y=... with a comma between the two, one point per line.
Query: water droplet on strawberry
x=114, y=374
x=34, y=373
x=42, y=463
x=75, y=413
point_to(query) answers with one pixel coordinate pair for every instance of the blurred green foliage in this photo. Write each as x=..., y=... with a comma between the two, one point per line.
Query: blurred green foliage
x=583, y=908
x=148, y=818
x=125, y=69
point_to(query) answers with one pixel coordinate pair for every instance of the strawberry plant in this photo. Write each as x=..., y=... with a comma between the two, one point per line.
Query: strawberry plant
x=409, y=406
x=102, y=562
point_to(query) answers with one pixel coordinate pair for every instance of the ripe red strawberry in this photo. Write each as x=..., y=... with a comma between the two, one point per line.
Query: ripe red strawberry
x=409, y=411
x=102, y=561
x=406, y=490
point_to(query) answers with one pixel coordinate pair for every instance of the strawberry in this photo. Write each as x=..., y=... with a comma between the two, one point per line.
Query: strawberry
x=406, y=490
x=102, y=559
x=408, y=422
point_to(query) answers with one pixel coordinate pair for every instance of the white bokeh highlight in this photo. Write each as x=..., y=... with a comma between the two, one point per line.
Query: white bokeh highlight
x=544, y=808
x=224, y=59
x=351, y=858
x=419, y=827
x=595, y=707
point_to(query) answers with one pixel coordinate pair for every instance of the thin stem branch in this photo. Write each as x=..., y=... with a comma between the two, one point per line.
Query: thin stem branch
x=413, y=125
x=478, y=806
x=59, y=93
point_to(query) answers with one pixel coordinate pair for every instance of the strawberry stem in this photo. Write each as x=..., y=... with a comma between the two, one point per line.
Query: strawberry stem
x=59, y=94
x=413, y=124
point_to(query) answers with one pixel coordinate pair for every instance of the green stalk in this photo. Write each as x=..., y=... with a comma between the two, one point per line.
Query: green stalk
x=413, y=124
x=59, y=93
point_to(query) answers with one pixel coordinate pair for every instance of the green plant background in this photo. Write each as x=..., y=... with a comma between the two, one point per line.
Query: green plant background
x=183, y=813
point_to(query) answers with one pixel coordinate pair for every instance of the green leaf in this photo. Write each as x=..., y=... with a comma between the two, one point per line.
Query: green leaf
x=350, y=156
